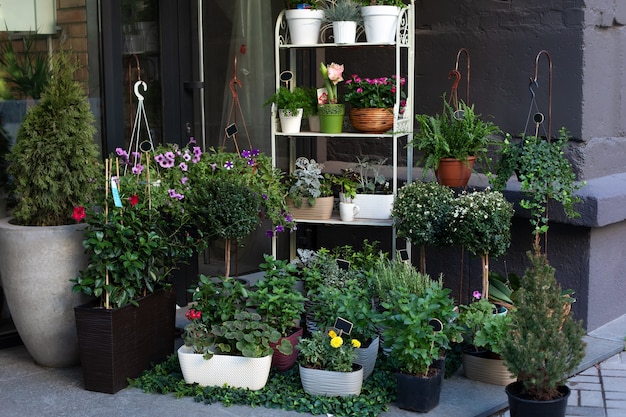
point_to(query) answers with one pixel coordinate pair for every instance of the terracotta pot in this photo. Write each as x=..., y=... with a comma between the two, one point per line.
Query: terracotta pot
x=322, y=210
x=454, y=172
x=371, y=120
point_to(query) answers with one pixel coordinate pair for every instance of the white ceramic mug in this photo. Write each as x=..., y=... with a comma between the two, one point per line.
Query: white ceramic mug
x=347, y=211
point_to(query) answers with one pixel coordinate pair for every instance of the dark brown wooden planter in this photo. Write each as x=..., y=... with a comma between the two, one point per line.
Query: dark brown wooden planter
x=121, y=343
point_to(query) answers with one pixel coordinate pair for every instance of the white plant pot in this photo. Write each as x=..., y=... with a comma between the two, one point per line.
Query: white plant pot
x=366, y=357
x=234, y=371
x=289, y=122
x=344, y=32
x=374, y=206
x=304, y=25
x=331, y=383
x=380, y=23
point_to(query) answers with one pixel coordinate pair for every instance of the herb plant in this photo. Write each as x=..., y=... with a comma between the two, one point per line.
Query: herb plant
x=307, y=182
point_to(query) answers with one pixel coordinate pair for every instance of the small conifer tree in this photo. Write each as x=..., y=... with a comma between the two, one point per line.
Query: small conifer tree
x=544, y=343
x=55, y=162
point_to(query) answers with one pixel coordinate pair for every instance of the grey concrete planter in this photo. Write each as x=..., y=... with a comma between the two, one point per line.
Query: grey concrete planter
x=36, y=264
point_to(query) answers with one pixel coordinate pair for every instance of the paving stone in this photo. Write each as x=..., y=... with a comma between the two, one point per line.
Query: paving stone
x=591, y=399
x=614, y=372
x=618, y=404
x=585, y=386
x=611, y=383
x=585, y=378
x=615, y=395
x=584, y=412
x=593, y=371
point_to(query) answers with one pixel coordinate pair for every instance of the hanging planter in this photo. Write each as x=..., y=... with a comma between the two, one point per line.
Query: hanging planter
x=454, y=172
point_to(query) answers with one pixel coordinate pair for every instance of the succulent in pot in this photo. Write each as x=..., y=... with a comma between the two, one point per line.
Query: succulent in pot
x=343, y=11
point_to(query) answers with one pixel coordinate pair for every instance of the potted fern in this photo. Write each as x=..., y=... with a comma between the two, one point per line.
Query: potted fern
x=452, y=141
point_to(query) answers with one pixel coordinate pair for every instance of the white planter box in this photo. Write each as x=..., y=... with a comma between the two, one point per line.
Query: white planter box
x=374, y=206
x=234, y=371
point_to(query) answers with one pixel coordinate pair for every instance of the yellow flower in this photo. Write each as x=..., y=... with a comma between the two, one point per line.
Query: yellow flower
x=356, y=343
x=332, y=334
x=336, y=342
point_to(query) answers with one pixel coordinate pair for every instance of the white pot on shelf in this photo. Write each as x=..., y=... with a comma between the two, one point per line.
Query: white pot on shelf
x=290, y=122
x=374, y=206
x=344, y=32
x=380, y=23
x=304, y=25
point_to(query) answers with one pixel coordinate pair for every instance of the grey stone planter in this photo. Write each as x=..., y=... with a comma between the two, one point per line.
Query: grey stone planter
x=36, y=264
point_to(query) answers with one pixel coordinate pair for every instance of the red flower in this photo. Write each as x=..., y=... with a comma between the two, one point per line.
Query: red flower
x=79, y=213
x=133, y=200
x=192, y=314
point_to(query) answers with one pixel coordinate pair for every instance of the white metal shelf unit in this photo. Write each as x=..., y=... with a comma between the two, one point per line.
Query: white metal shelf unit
x=404, y=47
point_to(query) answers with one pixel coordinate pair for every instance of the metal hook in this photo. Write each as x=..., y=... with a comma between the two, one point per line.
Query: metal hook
x=456, y=67
x=136, y=89
x=234, y=81
x=534, y=81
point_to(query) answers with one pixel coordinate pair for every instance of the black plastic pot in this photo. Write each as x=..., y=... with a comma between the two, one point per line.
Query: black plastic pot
x=418, y=393
x=521, y=407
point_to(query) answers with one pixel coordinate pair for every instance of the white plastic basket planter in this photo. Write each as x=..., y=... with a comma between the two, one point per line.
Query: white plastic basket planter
x=331, y=383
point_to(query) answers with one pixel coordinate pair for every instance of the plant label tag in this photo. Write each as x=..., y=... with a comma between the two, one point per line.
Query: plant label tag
x=231, y=130
x=343, y=325
x=404, y=255
x=436, y=324
x=115, y=192
x=343, y=264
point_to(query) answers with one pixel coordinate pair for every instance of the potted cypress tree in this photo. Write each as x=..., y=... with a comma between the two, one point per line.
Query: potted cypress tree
x=544, y=344
x=54, y=164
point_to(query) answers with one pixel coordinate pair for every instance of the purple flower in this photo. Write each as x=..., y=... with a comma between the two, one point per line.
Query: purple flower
x=137, y=169
x=477, y=295
x=229, y=165
x=184, y=180
x=136, y=155
x=280, y=228
x=288, y=218
x=251, y=162
x=246, y=153
x=255, y=152
x=192, y=140
x=264, y=196
x=183, y=166
x=187, y=155
x=214, y=166
x=197, y=151
x=173, y=194
x=121, y=152
x=269, y=234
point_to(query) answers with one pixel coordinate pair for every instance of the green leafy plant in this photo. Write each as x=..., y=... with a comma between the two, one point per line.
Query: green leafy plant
x=275, y=297
x=421, y=213
x=449, y=135
x=312, y=4
x=218, y=299
x=544, y=344
x=481, y=327
x=55, y=162
x=481, y=222
x=374, y=92
x=367, y=176
x=544, y=173
x=290, y=100
x=328, y=351
x=307, y=182
x=407, y=329
x=343, y=11
x=27, y=71
x=132, y=246
x=226, y=194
